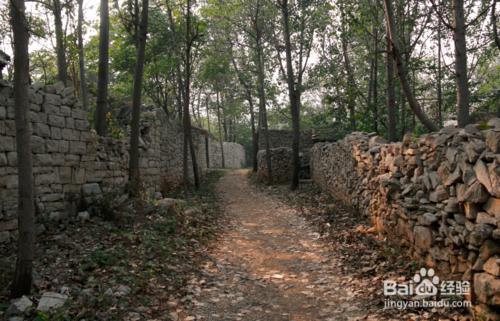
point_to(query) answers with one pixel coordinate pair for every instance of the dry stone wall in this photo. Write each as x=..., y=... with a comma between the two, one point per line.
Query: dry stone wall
x=234, y=155
x=439, y=194
x=72, y=165
x=281, y=165
x=283, y=138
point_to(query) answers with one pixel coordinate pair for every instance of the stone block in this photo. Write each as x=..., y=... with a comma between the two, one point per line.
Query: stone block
x=91, y=189
x=63, y=146
x=56, y=121
x=423, y=238
x=485, y=218
x=81, y=124
x=79, y=114
x=440, y=194
x=475, y=193
x=3, y=159
x=46, y=179
x=70, y=122
x=41, y=129
x=70, y=134
x=55, y=132
x=12, y=158
x=65, y=111
x=492, y=207
x=493, y=140
x=488, y=249
x=52, y=146
x=492, y=266
x=52, y=99
x=42, y=160
x=7, y=143
x=8, y=225
x=78, y=148
x=486, y=287
x=37, y=144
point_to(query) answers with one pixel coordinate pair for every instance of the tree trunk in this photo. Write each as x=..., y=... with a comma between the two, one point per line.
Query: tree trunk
x=439, y=79
x=102, y=73
x=262, y=99
x=375, y=80
x=402, y=71
x=460, y=63
x=220, y=130
x=208, y=113
x=293, y=95
x=62, y=66
x=188, y=138
x=351, y=99
x=81, y=59
x=391, y=95
x=494, y=26
x=262, y=107
x=25, y=209
x=255, y=135
x=134, y=175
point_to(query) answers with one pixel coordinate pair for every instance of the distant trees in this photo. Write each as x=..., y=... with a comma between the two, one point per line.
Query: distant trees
x=26, y=207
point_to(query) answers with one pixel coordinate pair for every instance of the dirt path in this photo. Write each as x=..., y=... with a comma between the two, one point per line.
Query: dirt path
x=269, y=265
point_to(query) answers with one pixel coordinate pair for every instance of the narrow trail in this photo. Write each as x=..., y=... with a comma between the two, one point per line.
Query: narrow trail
x=269, y=265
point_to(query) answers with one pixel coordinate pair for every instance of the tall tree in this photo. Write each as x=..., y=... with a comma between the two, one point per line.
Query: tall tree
x=81, y=58
x=494, y=26
x=219, y=120
x=305, y=23
x=62, y=65
x=248, y=95
x=391, y=94
x=186, y=117
x=100, y=122
x=351, y=84
x=257, y=25
x=293, y=94
x=25, y=208
x=402, y=69
x=439, y=76
x=134, y=176
x=460, y=63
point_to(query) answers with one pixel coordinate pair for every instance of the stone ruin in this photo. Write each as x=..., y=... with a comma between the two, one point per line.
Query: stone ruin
x=280, y=142
x=72, y=164
x=439, y=194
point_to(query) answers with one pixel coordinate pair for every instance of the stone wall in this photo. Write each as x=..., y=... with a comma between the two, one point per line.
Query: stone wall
x=439, y=194
x=283, y=138
x=71, y=163
x=281, y=165
x=234, y=155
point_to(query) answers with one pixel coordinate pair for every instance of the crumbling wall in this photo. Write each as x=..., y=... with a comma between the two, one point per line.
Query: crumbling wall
x=439, y=194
